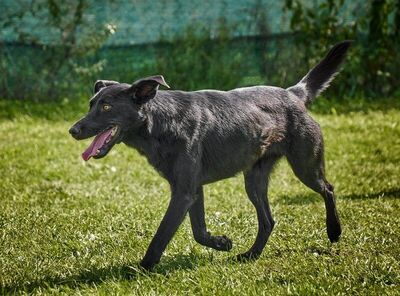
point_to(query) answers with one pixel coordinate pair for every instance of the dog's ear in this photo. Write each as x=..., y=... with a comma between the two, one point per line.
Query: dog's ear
x=145, y=89
x=99, y=84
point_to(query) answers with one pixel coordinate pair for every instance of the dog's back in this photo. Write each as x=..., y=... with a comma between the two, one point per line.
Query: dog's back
x=231, y=130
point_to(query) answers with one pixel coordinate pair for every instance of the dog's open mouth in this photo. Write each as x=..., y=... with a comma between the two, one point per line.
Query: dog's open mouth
x=102, y=143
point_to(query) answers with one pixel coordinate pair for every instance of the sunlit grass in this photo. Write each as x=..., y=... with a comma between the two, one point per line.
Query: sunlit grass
x=75, y=227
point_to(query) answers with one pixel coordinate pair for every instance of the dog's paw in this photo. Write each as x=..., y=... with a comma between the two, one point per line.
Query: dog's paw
x=334, y=231
x=248, y=256
x=221, y=243
x=334, y=234
x=147, y=265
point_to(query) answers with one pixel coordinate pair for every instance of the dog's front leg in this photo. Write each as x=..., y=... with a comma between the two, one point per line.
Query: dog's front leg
x=177, y=209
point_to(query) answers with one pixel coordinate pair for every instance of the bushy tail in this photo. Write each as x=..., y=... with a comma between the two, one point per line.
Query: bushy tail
x=319, y=77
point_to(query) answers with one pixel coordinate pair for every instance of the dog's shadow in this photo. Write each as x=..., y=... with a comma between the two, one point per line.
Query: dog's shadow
x=116, y=273
x=310, y=198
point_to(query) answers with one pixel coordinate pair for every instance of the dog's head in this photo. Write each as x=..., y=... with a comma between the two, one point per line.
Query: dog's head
x=114, y=111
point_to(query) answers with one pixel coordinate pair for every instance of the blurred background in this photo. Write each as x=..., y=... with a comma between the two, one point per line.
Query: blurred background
x=53, y=50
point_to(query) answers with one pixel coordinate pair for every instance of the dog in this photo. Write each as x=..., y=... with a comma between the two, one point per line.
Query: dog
x=199, y=137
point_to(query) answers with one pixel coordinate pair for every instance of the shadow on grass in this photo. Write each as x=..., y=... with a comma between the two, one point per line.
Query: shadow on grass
x=304, y=199
x=97, y=276
x=390, y=192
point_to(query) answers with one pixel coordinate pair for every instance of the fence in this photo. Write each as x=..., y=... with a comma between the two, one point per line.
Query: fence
x=209, y=58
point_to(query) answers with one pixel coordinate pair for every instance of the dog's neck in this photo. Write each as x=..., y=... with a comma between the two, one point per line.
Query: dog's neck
x=152, y=135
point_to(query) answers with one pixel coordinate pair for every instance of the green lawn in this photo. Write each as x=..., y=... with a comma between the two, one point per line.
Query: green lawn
x=74, y=227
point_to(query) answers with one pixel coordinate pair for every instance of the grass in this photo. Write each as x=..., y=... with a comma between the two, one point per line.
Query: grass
x=78, y=228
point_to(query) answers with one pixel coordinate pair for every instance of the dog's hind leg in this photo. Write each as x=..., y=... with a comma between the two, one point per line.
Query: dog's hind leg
x=307, y=161
x=201, y=235
x=256, y=184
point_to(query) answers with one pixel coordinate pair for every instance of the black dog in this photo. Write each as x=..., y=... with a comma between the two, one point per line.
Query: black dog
x=195, y=138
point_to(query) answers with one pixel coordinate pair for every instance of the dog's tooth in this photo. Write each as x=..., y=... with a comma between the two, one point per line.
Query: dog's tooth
x=98, y=151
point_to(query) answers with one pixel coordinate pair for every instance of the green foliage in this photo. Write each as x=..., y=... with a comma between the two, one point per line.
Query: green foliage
x=196, y=61
x=69, y=227
x=372, y=68
x=189, y=62
x=66, y=67
x=49, y=70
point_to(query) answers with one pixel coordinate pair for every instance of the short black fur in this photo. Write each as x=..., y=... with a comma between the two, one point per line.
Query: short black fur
x=196, y=138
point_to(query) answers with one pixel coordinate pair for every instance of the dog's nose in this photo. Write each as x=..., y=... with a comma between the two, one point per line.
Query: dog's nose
x=74, y=131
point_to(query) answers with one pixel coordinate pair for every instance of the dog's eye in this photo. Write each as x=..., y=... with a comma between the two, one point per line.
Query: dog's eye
x=106, y=107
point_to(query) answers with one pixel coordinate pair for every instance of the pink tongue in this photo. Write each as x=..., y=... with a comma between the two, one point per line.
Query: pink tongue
x=97, y=143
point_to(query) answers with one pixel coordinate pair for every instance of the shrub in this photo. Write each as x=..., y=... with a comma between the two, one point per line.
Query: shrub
x=372, y=66
x=197, y=61
x=50, y=59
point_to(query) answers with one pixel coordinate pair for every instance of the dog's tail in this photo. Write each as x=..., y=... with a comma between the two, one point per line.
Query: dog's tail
x=319, y=77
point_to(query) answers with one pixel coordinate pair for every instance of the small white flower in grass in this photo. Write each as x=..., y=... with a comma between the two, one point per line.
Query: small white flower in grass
x=113, y=169
x=91, y=237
